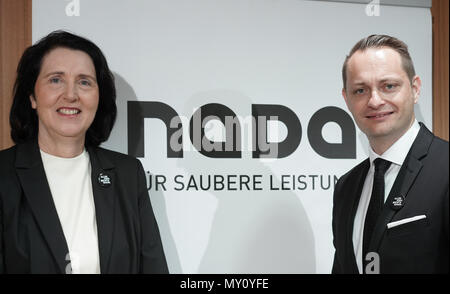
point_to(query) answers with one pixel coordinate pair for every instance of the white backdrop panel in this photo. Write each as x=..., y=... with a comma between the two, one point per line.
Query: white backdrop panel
x=238, y=53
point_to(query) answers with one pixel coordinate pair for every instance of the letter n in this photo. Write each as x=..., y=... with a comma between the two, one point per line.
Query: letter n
x=138, y=111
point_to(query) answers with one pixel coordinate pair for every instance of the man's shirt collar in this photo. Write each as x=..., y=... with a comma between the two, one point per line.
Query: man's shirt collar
x=398, y=151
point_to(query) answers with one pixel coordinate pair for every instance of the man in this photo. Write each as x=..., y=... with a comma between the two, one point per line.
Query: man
x=390, y=212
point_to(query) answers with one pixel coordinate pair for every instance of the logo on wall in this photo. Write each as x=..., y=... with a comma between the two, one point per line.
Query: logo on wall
x=231, y=147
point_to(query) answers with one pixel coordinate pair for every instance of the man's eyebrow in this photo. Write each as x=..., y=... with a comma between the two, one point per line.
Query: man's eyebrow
x=385, y=79
x=357, y=83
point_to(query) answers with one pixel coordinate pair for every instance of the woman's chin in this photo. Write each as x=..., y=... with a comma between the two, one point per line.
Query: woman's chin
x=72, y=133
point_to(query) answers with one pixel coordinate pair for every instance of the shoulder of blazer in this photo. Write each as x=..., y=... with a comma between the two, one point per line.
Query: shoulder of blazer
x=7, y=156
x=429, y=150
x=111, y=159
x=441, y=144
x=113, y=156
x=437, y=147
x=7, y=151
x=356, y=170
x=353, y=174
x=7, y=165
x=427, y=145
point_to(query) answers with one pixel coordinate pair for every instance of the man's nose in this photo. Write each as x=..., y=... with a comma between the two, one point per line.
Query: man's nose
x=375, y=99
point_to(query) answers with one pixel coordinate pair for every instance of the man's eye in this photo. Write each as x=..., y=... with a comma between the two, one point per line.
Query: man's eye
x=359, y=91
x=390, y=86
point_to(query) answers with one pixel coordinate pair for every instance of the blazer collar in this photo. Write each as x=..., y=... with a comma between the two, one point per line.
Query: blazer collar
x=28, y=155
x=33, y=179
x=354, y=190
x=104, y=199
x=31, y=174
x=405, y=179
x=100, y=157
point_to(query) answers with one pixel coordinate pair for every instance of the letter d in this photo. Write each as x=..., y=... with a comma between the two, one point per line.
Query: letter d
x=73, y=8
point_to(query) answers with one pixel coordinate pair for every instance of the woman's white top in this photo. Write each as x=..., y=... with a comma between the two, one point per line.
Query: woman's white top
x=71, y=187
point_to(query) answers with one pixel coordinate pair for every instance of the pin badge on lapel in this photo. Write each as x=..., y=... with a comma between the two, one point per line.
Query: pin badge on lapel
x=104, y=180
x=398, y=202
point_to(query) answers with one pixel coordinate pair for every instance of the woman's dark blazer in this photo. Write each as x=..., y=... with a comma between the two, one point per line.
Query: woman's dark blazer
x=31, y=236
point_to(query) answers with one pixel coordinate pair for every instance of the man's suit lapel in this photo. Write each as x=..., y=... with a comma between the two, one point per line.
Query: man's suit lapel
x=31, y=173
x=354, y=190
x=405, y=178
x=104, y=199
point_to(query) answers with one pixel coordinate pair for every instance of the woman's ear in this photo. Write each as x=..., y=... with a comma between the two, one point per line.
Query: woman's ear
x=33, y=101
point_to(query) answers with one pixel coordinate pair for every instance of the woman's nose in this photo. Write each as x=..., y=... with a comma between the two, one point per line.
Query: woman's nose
x=71, y=93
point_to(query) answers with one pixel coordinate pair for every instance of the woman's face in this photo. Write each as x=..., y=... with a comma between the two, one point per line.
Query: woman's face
x=66, y=94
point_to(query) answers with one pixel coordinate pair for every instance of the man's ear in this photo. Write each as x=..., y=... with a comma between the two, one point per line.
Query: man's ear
x=416, y=85
x=33, y=101
x=344, y=94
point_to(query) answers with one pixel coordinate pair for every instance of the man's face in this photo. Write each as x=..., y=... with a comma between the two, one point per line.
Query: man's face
x=380, y=95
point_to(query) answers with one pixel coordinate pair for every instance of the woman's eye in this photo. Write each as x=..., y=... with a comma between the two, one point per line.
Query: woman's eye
x=55, y=80
x=85, y=83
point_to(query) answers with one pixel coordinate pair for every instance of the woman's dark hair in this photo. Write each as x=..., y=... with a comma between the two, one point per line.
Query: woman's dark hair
x=23, y=118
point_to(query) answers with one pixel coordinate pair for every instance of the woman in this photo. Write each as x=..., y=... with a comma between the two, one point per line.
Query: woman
x=67, y=205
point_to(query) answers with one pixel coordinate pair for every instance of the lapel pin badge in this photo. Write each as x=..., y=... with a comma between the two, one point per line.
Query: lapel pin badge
x=104, y=180
x=398, y=202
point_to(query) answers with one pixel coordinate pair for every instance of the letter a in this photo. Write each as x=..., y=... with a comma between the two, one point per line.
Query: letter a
x=373, y=8
x=73, y=8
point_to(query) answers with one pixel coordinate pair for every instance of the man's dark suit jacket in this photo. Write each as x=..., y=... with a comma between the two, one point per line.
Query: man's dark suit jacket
x=31, y=236
x=416, y=247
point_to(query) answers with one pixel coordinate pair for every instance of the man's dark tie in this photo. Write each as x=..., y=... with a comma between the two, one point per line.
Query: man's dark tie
x=376, y=203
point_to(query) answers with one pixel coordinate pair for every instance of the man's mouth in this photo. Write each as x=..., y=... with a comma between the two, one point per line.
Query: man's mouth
x=379, y=115
x=68, y=111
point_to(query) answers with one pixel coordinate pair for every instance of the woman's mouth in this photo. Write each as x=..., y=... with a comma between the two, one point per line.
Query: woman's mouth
x=68, y=111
